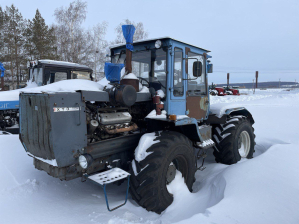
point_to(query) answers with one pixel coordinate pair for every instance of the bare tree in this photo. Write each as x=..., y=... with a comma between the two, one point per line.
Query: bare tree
x=140, y=33
x=99, y=46
x=69, y=32
x=76, y=44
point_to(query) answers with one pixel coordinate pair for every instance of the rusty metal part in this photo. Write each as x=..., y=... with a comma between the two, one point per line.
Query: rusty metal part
x=132, y=82
x=159, y=105
x=205, y=132
x=159, y=108
x=128, y=61
x=156, y=100
x=197, y=106
x=132, y=127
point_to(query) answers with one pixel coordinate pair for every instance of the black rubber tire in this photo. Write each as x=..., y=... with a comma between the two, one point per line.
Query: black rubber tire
x=226, y=139
x=148, y=187
x=213, y=93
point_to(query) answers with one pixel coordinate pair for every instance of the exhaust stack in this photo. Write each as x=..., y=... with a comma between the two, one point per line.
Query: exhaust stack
x=128, y=32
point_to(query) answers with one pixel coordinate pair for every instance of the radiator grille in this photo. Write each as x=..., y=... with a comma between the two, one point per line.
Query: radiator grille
x=35, y=125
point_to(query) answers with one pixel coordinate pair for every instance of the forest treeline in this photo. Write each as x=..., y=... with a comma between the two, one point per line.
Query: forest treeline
x=22, y=40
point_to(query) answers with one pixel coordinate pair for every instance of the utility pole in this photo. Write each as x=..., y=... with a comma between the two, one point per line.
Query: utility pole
x=227, y=79
x=279, y=83
x=256, y=78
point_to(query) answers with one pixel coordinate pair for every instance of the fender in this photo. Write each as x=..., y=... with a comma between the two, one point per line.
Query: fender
x=240, y=111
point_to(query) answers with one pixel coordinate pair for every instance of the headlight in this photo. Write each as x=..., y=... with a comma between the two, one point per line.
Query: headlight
x=158, y=44
x=85, y=160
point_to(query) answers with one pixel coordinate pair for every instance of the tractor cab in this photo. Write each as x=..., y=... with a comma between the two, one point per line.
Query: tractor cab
x=178, y=69
x=44, y=72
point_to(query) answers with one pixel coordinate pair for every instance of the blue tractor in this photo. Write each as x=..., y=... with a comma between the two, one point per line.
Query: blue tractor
x=41, y=72
x=149, y=122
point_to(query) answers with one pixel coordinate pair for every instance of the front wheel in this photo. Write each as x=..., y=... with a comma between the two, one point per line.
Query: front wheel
x=233, y=140
x=151, y=175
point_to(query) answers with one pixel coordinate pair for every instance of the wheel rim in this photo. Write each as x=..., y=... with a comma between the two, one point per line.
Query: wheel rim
x=244, y=144
x=178, y=163
x=171, y=171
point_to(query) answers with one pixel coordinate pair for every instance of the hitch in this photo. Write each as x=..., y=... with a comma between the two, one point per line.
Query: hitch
x=108, y=177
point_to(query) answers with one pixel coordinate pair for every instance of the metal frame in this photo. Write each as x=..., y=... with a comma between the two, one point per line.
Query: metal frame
x=126, y=199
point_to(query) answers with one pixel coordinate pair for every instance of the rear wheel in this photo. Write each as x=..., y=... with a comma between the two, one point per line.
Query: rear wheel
x=213, y=92
x=233, y=140
x=150, y=176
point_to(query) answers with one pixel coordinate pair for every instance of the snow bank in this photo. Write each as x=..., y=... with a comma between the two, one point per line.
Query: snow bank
x=261, y=190
x=61, y=86
x=253, y=193
x=71, y=85
x=13, y=95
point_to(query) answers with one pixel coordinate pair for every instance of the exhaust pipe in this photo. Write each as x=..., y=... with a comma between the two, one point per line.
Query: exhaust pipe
x=128, y=32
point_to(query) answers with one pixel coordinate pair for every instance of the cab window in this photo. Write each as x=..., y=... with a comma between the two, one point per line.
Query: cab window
x=37, y=76
x=196, y=85
x=178, y=84
x=57, y=76
x=80, y=75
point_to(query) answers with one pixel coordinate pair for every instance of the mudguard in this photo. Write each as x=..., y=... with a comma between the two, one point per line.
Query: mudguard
x=240, y=111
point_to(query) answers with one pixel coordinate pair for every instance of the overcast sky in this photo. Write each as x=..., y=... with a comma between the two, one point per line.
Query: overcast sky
x=243, y=36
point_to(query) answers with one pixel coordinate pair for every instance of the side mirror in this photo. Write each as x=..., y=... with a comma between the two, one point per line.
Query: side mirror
x=197, y=68
x=210, y=68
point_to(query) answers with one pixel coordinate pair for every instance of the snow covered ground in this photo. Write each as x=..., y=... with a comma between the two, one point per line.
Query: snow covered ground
x=264, y=189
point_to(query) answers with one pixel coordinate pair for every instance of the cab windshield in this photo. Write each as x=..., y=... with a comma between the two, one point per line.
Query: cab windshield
x=149, y=66
x=80, y=75
x=60, y=75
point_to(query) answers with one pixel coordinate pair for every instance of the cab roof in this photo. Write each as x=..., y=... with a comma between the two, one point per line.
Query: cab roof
x=53, y=63
x=154, y=39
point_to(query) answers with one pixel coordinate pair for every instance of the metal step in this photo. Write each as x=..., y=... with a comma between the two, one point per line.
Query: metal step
x=108, y=177
x=209, y=143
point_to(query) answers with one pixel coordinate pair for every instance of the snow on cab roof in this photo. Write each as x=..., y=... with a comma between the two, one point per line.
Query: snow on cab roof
x=63, y=63
x=152, y=39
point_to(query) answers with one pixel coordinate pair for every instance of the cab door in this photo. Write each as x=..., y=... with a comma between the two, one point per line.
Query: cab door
x=176, y=103
x=197, y=98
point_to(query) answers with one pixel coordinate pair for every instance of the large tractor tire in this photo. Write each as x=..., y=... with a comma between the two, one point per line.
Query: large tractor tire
x=150, y=176
x=233, y=140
